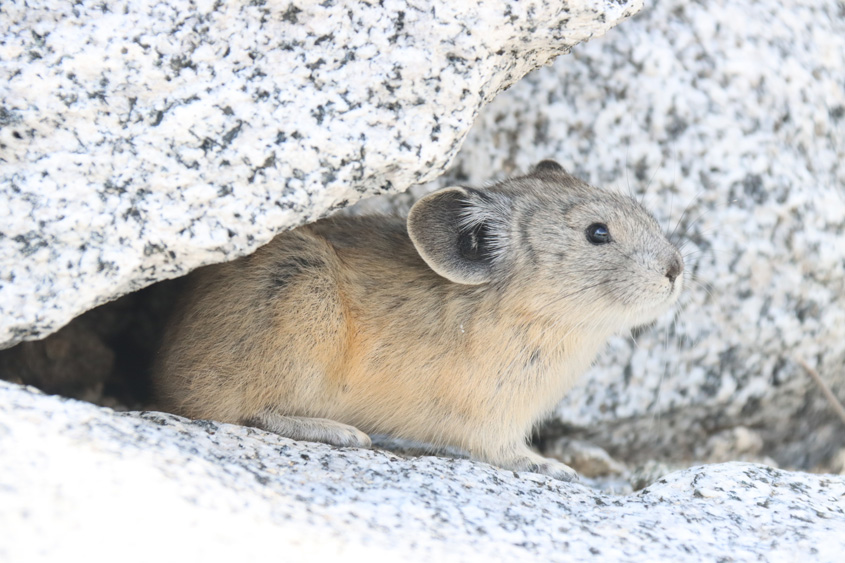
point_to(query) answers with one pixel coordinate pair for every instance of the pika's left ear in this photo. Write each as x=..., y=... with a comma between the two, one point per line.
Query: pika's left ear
x=551, y=171
x=461, y=233
x=548, y=167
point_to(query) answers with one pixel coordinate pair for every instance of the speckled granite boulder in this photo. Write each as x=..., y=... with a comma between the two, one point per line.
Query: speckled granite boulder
x=730, y=118
x=141, y=139
x=82, y=482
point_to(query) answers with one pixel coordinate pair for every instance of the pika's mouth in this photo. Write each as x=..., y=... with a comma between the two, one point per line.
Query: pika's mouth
x=666, y=294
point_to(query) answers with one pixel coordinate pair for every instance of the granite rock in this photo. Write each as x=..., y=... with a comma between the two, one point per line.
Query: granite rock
x=728, y=120
x=80, y=481
x=139, y=140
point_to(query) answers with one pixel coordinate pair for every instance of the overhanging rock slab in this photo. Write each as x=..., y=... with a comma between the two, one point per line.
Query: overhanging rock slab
x=139, y=140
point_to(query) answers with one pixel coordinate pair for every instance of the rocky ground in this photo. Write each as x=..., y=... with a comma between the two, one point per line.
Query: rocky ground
x=89, y=483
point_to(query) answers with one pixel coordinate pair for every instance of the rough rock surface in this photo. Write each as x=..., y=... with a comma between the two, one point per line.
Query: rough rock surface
x=79, y=481
x=139, y=140
x=730, y=118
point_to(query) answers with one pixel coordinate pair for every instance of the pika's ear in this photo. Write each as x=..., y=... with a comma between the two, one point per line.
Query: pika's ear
x=460, y=233
x=548, y=166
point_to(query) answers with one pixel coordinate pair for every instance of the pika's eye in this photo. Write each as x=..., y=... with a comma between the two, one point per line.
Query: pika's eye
x=598, y=233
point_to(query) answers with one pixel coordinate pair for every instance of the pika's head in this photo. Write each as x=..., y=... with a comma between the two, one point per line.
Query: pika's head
x=559, y=245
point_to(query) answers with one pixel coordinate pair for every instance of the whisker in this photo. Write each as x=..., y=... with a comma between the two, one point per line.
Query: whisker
x=702, y=286
x=627, y=177
x=686, y=210
x=633, y=340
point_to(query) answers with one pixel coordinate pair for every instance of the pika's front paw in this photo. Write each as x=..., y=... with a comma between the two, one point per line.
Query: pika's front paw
x=526, y=460
x=555, y=469
x=345, y=436
x=312, y=430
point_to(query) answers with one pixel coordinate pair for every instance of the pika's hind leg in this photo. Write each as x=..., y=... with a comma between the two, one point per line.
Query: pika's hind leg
x=311, y=429
x=522, y=458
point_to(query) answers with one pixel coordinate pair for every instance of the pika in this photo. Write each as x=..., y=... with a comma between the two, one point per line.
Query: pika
x=463, y=325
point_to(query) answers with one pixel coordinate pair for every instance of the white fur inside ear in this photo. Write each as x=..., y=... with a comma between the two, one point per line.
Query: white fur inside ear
x=493, y=214
x=459, y=233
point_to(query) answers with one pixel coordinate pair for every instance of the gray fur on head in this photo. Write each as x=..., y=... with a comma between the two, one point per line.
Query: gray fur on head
x=530, y=234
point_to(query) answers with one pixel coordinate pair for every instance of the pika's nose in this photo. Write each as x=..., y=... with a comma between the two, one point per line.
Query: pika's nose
x=675, y=269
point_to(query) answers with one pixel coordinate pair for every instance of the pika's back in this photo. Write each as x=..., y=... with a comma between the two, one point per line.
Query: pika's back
x=298, y=302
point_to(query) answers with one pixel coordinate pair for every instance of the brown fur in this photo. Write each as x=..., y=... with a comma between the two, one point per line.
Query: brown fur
x=344, y=320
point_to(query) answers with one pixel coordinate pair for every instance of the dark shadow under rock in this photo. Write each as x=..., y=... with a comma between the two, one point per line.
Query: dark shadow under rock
x=104, y=356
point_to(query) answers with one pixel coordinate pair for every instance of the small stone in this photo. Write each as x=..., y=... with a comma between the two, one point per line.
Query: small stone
x=837, y=462
x=587, y=459
x=739, y=443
